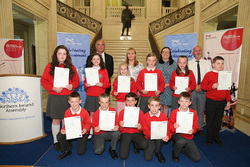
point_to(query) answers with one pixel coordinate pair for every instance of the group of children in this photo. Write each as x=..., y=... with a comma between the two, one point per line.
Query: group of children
x=97, y=100
x=140, y=136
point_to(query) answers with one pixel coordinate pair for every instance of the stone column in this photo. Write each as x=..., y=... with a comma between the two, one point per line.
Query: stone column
x=6, y=19
x=153, y=9
x=98, y=10
x=243, y=102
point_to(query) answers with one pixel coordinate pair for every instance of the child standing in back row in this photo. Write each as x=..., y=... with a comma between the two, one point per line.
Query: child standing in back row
x=123, y=71
x=181, y=71
x=140, y=82
x=93, y=92
x=58, y=96
x=215, y=101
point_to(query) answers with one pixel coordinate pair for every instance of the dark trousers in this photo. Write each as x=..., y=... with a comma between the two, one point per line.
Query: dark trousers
x=144, y=104
x=66, y=144
x=214, y=114
x=152, y=145
x=175, y=103
x=99, y=141
x=186, y=146
x=137, y=139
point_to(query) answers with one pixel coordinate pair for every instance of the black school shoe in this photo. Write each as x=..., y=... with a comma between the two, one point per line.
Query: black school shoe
x=160, y=157
x=218, y=141
x=175, y=158
x=209, y=142
x=64, y=154
x=57, y=146
x=113, y=153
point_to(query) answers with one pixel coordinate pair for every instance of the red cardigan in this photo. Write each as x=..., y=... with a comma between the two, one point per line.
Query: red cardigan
x=209, y=79
x=121, y=96
x=95, y=120
x=131, y=130
x=47, y=81
x=191, y=82
x=84, y=115
x=96, y=90
x=147, y=124
x=172, y=121
x=140, y=82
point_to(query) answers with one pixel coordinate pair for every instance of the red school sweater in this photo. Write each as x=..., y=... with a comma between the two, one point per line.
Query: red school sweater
x=96, y=90
x=84, y=116
x=172, y=121
x=95, y=120
x=131, y=130
x=191, y=82
x=121, y=96
x=209, y=79
x=140, y=82
x=47, y=81
x=147, y=124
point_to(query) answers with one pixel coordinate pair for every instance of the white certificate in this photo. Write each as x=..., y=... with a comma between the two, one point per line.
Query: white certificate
x=181, y=83
x=61, y=77
x=159, y=129
x=185, y=120
x=123, y=84
x=73, y=127
x=92, y=75
x=224, y=80
x=131, y=117
x=150, y=82
x=107, y=120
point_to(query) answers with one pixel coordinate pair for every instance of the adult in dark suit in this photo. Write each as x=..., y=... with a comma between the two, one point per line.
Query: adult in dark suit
x=108, y=60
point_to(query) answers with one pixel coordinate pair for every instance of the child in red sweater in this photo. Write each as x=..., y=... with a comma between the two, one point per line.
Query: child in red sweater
x=140, y=82
x=58, y=96
x=184, y=142
x=215, y=101
x=154, y=115
x=120, y=96
x=75, y=110
x=131, y=134
x=92, y=92
x=102, y=135
x=181, y=71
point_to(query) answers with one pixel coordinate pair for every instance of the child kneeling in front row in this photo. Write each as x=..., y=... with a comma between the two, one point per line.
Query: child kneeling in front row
x=128, y=134
x=75, y=110
x=184, y=142
x=101, y=136
x=154, y=114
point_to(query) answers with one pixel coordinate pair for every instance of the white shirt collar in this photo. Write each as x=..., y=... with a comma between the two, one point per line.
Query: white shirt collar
x=215, y=71
x=78, y=112
x=157, y=115
x=150, y=69
x=103, y=56
x=183, y=111
x=103, y=110
x=98, y=68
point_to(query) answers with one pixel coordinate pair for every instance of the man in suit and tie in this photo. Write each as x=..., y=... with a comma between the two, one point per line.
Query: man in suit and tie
x=108, y=60
x=200, y=67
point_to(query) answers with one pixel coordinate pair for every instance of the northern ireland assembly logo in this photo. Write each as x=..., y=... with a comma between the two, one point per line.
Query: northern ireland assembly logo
x=14, y=95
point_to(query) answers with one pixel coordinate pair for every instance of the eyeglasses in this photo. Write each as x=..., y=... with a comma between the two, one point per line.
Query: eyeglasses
x=165, y=51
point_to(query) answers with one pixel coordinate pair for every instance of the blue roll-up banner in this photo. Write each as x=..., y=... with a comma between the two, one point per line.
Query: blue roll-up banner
x=181, y=44
x=79, y=49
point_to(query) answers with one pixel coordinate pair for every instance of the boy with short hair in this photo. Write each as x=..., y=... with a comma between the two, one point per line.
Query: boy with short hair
x=215, y=101
x=154, y=114
x=75, y=110
x=101, y=136
x=129, y=135
x=140, y=82
x=184, y=142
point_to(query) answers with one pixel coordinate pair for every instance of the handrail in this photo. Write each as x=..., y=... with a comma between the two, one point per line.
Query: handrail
x=78, y=17
x=172, y=18
x=124, y=3
x=153, y=43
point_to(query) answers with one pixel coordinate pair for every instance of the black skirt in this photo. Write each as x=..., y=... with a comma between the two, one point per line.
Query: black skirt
x=91, y=103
